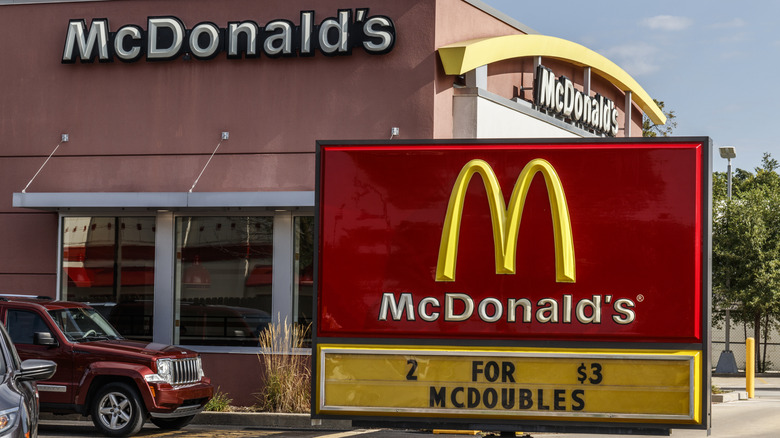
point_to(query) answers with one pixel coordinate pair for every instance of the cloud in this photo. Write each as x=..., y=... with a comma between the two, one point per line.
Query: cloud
x=667, y=22
x=637, y=59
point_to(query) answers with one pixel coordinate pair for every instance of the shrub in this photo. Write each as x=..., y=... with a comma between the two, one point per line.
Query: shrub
x=287, y=372
x=219, y=403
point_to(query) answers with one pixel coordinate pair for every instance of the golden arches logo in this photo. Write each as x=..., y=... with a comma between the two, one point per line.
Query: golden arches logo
x=506, y=221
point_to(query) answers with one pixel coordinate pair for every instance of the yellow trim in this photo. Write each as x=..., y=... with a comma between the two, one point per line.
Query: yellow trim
x=465, y=56
x=575, y=352
x=506, y=221
x=637, y=356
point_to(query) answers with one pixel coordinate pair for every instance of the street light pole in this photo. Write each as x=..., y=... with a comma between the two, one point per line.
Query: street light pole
x=728, y=190
x=727, y=363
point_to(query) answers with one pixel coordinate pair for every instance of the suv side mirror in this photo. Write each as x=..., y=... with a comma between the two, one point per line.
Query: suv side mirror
x=44, y=338
x=37, y=369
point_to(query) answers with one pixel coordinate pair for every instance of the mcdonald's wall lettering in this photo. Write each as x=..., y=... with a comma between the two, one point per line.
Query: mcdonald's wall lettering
x=560, y=97
x=511, y=242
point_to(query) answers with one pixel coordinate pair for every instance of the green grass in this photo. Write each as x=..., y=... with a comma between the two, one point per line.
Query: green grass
x=219, y=403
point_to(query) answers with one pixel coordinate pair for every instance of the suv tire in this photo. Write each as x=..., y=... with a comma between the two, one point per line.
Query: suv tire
x=117, y=411
x=171, y=423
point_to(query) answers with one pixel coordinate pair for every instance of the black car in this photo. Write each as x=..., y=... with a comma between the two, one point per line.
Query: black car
x=18, y=393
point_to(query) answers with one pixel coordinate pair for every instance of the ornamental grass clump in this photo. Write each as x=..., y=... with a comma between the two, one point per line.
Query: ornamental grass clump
x=287, y=369
x=220, y=402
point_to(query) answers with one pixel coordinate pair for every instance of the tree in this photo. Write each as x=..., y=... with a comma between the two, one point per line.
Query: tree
x=746, y=247
x=650, y=129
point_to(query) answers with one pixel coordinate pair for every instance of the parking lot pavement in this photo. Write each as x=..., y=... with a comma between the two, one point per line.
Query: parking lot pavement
x=53, y=428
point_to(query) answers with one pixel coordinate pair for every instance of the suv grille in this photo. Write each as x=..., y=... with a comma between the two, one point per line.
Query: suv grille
x=186, y=370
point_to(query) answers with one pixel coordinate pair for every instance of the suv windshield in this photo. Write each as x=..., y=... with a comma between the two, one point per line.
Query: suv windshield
x=82, y=324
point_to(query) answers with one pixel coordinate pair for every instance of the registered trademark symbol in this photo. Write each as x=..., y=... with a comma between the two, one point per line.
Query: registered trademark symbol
x=640, y=298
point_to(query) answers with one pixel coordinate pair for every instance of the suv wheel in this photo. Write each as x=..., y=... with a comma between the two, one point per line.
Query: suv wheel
x=171, y=423
x=116, y=410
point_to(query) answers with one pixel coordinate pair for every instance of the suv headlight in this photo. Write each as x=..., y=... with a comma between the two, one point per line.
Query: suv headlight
x=8, y=419
x=164, y=372
x=201, y=374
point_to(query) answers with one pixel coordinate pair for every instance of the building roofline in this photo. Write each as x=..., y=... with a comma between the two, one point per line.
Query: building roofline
x=501, y=16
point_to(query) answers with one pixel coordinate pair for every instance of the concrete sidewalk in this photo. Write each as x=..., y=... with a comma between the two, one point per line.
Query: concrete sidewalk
x=738, y=382
x=733, y=387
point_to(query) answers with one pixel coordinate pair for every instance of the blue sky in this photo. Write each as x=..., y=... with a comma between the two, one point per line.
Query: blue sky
x=713, y=63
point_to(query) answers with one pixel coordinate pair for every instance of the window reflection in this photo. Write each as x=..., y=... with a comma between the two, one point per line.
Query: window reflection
x=304, y=269
x=223, y=274
x=108, y=262
x=224, y=279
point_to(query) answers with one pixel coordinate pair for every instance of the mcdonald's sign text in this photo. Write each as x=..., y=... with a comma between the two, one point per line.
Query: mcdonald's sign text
x=566, y=241
x=522, y=310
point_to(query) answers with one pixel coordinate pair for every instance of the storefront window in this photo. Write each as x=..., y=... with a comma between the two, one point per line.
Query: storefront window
x=223, y=279
x=304, y=270
x=108, y=262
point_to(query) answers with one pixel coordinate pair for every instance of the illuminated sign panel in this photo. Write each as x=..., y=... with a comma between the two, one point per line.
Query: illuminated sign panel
x=425, y=242
x=596, y=249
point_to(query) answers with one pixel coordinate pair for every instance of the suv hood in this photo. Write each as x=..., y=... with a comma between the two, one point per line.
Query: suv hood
x=123, y=349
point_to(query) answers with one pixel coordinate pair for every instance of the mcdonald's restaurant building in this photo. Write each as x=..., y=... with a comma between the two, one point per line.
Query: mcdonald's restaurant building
x=158, y=156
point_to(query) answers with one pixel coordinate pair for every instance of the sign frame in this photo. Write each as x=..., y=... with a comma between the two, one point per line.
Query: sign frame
x=586, y=425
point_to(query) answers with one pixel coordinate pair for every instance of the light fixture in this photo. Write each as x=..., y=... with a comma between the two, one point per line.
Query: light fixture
x=224, y=135
x=728, y=152
x=196, y=275
x=459, y=82
x=64, y=138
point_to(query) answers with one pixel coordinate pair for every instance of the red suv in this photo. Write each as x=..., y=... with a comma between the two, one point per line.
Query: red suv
x=120, y=383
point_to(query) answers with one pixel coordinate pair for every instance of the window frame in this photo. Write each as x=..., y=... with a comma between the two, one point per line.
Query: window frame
x=165, y=263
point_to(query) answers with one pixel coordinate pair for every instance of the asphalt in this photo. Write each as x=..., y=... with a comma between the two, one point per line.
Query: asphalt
x=768, y=383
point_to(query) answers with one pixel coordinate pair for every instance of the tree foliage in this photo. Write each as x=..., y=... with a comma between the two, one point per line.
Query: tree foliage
x=650, y=129
x=746, y=246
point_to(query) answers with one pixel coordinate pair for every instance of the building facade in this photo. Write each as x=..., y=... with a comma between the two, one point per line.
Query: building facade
x=158, y=156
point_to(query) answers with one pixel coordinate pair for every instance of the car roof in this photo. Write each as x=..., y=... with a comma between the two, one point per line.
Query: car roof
x=45, y=302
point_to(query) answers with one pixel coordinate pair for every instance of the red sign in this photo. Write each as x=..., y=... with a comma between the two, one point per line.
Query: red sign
x=580, y=241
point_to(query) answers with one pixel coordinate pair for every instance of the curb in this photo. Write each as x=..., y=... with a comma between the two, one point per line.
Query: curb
x=246, y=419
x=268, y=419
x=729, y=396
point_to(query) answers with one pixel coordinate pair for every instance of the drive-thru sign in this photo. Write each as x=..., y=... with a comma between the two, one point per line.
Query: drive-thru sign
x=534, y=284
